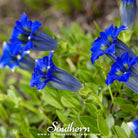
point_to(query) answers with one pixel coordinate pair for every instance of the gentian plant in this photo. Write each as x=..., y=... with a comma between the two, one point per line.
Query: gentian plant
x=109, y=44
x=103, y=109
x=125, y=67
x=26, y=35
x=123, y=70
x=128, y=12
x=22, y=60
x=46, y=73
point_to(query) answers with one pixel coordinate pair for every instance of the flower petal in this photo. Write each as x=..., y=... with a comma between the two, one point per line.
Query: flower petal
x=96, y=56
x=35, y=26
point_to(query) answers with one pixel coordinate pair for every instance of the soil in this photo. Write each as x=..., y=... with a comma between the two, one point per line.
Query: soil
x=103, y=12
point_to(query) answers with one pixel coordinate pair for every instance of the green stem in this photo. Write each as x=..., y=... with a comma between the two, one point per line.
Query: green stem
x=110, y=91
x=97, y=26
x=36, y=111
x=111, y=94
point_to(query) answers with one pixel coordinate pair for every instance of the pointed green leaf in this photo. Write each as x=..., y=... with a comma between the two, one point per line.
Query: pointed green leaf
x=62, y=117
x=92, y=109
x=120, y=132
x=71, y=102
x=89, y=122
x=51, y=96
x=102, y=125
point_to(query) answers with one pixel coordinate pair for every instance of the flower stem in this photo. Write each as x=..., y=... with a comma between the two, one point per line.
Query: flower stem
x=110, y=91
x=111, y=94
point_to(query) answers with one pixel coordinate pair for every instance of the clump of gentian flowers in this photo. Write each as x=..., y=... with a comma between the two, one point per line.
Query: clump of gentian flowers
x=123, y=70
x=26, y=36
x=22, y=60
x=128, y=12
x=125, y=67
x=46, y=73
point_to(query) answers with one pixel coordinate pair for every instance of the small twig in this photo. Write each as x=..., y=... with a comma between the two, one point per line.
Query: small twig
x=72, y=66
x=42, y=124
x=115, y=94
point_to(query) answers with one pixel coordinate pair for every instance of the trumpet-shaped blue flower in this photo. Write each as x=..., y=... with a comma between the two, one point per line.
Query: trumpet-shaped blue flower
x=128, y=12
x=46, y=73
x=22, y=60
x=124, y=70
x=109, y=44
x=26, y=35
x=134, y=126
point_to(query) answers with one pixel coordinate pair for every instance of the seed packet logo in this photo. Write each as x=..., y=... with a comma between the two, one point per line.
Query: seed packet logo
x=69, y=128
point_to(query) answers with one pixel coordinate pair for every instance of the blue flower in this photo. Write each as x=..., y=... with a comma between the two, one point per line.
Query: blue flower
x=128, y=12
x=22, y=60
x=46, y=73
x=26, y=35
x=109, y=44
x=125, y=70
x=134, y=126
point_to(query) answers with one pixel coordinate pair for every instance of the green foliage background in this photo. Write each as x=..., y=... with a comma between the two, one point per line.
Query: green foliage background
x=25, y=111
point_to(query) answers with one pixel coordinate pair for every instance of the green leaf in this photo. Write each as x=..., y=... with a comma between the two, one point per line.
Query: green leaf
x=51, y=96
x=67, y=34
x=37, y=133
x=84, y=91
x=3, y=132
x=126, y=129
x=77, y=28
x=32, y=93
x=89, y=122
x=125, y=105
x=35, y=118
x=110, y=121
x=92, y=136
x=78, y=122
x=71, y=102
x=125, y=36
x=92, y=109
x=85, y=75
x=2, y=97
x=62, y=117
x=25, y=131
x=117, y=22
x=1, y=135
x=120, y=132
x=102, y=125
x=25, y=74
x=3, y=113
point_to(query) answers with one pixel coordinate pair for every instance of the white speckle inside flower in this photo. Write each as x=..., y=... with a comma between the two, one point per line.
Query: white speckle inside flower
x=27, y=52
x=29, y=37
x=4, y=43
x=52, y=51
x=48, y=67
x=18, y=56
x=36, y=60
